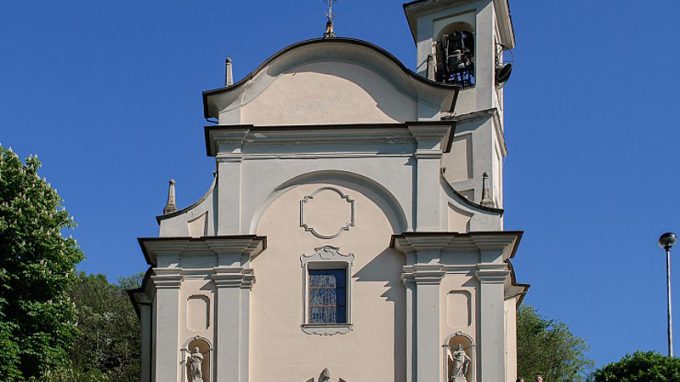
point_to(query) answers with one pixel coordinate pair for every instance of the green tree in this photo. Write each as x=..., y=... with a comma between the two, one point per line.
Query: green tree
x=640, y=367
x=108, y=341
x=547, y=347
x=37, y=263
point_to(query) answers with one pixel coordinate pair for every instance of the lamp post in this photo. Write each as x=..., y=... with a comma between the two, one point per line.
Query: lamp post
x=666, y=242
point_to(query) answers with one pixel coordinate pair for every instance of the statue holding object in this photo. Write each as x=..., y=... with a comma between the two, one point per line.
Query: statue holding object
x=195, y=366
x=459, y=364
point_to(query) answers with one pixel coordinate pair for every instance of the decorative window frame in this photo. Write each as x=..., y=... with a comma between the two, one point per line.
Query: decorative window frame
x=326, y=257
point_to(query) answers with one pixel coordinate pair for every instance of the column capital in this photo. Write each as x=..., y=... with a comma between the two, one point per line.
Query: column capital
x=432, y=137
x=423, y=274
x=415, y=242
x=220, y=140
x=167, y=278
x=492, y=273
x=233, y=277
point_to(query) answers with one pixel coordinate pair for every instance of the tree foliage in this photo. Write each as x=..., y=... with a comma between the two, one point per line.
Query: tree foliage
x=640, y=367
x=108, y=339
x=37, y=317
x=547, y=347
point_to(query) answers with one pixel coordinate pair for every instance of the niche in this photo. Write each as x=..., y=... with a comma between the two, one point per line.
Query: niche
x=197, y=360
x=459, y=358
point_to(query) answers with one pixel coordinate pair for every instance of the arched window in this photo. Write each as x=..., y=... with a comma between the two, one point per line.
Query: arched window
x=456, y=55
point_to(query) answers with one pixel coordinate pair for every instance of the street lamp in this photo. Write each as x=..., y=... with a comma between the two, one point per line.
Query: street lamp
x=666, y=242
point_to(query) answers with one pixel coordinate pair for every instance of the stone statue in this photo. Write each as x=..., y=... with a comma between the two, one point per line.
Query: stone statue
x=195, y=363
x=460, y=363
x=325, y=376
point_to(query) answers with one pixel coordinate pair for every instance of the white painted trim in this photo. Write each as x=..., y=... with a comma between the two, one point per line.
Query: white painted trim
x=327, y=257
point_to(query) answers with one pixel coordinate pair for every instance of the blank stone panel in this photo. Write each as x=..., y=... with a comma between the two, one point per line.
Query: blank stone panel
x=198, y=313
x=458, y=162
x=458, y=309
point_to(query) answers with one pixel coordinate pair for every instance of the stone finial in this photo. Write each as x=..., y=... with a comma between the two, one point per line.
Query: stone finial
x=486, y=194
x=170, y=206
x=228, y=75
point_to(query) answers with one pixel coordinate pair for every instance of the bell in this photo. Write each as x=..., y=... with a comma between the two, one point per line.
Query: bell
x=455, y=61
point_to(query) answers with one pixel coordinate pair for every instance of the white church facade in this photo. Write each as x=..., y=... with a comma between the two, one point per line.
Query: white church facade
x=354, y=227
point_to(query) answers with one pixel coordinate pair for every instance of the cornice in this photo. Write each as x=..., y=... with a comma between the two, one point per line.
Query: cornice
x=412, y=242
x=237, y=137
x=247, y=245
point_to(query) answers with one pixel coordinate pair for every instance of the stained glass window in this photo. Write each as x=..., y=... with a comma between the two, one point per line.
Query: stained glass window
x=327, y=296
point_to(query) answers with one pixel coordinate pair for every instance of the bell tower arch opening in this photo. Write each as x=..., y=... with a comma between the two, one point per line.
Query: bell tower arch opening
x=454, y=50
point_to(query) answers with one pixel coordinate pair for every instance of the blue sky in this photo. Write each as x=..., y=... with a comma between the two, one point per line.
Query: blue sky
x=108, y=94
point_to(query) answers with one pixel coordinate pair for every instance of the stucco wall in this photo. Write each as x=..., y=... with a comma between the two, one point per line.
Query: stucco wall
x=375, y=348
x=329, y=92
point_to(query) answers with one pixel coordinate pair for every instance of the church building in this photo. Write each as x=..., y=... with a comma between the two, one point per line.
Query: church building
x=353, y=230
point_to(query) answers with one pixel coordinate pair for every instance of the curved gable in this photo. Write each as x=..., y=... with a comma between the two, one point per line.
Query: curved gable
x=329, y=82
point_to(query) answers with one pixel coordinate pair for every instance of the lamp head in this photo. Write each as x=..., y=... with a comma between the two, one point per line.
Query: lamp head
x=503, y=72
x=667, y=240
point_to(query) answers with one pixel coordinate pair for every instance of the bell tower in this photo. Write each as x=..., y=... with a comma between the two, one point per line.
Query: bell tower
x=465, y=43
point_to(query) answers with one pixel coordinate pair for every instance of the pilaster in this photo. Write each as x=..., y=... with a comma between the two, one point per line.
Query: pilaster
x=233, y=279
x=167, y=283
x=233, y=285
x=228, y=144
x=427, y=279
x=422, y=276
x=145, y=317
x=411, y=353
x=492, y=278
x=430, y=214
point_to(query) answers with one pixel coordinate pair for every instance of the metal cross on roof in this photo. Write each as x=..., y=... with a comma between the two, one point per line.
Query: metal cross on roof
x=329, y=20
